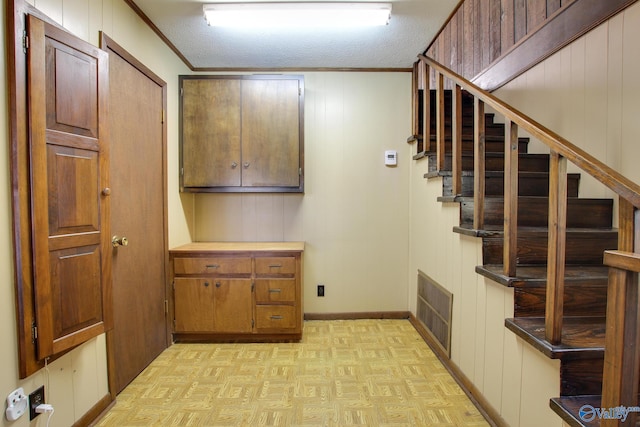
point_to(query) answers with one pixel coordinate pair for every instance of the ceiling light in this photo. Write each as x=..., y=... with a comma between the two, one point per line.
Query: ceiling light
x=297, y=14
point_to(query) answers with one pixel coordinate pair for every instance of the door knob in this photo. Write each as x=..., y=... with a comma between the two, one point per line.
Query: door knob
x=119, y=241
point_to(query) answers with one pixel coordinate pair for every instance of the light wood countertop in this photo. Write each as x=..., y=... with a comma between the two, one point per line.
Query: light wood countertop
x=239, y=246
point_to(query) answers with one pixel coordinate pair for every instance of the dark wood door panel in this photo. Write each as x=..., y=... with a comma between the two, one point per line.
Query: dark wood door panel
x=74, y=190
x=76, y=289
x=71, y=91
x=68, y=82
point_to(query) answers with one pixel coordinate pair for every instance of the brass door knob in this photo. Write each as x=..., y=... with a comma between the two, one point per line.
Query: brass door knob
x=119, y=241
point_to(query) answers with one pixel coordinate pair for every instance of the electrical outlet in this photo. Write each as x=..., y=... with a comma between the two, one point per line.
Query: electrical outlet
x=35, y=398
x=320, y=290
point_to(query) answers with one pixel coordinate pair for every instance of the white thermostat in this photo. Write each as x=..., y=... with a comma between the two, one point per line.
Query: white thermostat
x=391, y=157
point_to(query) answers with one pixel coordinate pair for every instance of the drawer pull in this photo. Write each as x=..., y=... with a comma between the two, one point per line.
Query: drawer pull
x=275, y=291
x=275, y=265
x=213, y=266
x=276, y=317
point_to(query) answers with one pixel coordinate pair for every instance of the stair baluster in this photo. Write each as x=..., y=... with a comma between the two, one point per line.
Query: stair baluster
x=557, y=247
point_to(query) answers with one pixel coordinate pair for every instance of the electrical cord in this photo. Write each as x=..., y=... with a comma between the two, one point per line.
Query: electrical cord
x=44, y=408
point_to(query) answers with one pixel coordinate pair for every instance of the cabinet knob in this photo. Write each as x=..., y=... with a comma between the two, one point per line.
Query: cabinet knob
x=234, y=165
x=206, y=284
x=218, y=284
x=246, y=165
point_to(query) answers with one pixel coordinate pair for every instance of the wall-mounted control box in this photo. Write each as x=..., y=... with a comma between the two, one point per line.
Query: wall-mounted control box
x=391, y=157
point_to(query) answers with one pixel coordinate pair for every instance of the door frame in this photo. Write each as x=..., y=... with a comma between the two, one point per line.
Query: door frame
x=112, y=47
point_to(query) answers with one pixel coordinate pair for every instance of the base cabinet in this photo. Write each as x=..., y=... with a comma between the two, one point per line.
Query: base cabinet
x=234, y=291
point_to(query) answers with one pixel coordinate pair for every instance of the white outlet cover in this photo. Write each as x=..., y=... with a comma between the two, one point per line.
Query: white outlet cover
x=17, y=403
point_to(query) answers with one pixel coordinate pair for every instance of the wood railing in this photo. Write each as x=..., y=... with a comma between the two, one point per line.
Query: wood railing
x=561, y=151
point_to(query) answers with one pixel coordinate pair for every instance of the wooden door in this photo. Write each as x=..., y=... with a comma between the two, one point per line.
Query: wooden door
x=193, y=303
x=138, y=212
x=68, y=83
x=210, y=132
x=233, y=305
x=271, y=133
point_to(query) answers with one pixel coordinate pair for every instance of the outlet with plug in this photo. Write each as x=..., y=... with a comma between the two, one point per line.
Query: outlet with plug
x=36, y=398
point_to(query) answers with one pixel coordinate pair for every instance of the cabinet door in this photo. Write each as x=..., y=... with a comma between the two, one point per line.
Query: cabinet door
x=271, y=133
x=211, y=131
x=232, y=305
x=194, y=305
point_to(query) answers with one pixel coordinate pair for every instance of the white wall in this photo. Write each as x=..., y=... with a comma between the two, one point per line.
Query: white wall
x=353, y=215
x=78, y=380
x=590, y=94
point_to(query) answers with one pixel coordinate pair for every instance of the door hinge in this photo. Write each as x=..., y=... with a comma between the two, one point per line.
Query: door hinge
x=163, y=116
x=182, y=171
x=299, y=91
x=34, y=332
x=253, y=286
x=181, y=92
x=25, y=42
x=300, y=171
x=166, y=306
x=253, y=322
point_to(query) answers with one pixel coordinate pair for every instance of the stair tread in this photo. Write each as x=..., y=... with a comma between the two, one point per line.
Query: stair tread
x=496, y=230
x=582, y=337
x=537, y=274
x=568, y=408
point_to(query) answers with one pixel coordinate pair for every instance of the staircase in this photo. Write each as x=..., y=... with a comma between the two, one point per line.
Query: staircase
x=589, y=233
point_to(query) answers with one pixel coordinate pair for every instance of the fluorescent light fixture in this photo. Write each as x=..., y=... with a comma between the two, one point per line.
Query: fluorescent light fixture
x=304, y=14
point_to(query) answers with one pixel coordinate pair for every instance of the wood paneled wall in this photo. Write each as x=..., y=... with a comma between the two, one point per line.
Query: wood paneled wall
x=490, y=42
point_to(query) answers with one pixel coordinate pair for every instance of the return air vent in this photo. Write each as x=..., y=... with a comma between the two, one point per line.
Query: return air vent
x=434, y=310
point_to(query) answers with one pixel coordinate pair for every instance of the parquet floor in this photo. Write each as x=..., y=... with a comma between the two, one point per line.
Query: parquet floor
x=343, y=373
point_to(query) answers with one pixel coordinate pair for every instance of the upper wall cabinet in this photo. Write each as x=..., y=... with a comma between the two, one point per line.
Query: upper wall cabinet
x=241, y=133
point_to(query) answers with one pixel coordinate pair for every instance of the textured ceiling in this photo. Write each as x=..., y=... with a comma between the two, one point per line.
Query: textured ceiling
x=413, y=25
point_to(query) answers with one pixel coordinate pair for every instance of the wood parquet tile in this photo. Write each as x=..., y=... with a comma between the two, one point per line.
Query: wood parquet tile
x=343, y=373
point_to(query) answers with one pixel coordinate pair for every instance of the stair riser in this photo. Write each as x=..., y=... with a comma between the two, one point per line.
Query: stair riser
x=534, y=212
x=493, y=131
x=527, y=186
x=581, y=377
x=493, y=143
x=588, y=298
x=493, y=163
x=582, y=248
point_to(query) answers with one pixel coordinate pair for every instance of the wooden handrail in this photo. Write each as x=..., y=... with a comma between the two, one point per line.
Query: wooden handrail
x=622, y=260
x=621, y=185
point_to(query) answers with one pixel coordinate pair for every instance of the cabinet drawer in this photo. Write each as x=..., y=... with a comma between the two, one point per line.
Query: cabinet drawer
x=212, y=265
x=275, y=265
x=275, y=290
x=276, y=317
